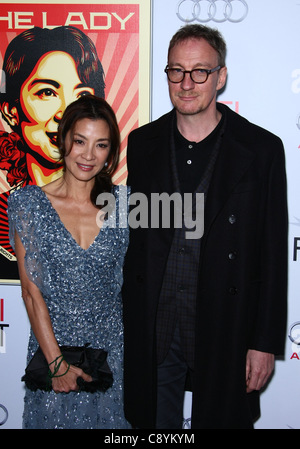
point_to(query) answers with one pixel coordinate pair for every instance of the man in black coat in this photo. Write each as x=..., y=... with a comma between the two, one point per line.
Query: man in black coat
x=206, y=314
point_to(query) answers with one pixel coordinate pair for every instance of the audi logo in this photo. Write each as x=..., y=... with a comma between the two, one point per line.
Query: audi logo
x=3, y=415
x=294, y=333
x=215, y=10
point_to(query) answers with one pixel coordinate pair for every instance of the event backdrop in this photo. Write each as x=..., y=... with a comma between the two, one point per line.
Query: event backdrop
x=264, y=86
x=115, y=32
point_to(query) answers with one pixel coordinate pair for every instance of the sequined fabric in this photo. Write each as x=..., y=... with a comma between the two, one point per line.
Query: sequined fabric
x=82, y=289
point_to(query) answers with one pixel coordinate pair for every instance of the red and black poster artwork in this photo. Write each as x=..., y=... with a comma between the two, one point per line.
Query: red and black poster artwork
x=50, y=55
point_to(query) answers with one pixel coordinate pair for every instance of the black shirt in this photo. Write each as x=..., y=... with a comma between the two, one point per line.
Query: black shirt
x=192, y=158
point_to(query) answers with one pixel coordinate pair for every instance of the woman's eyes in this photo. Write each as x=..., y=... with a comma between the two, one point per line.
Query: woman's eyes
x=46, y=92
x=84, y=93
x=101, y=145
x=78, y=142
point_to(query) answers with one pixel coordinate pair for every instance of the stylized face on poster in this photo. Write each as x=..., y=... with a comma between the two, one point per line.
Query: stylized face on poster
x=44, y=71
x=59, y=57
x=51, y=86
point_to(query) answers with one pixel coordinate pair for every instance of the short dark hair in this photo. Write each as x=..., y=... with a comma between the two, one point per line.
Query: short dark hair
x=93, y=108
x=195, y=31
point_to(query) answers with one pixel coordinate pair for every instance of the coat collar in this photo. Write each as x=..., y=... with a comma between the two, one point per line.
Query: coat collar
x=232, y=163
x=159, y=155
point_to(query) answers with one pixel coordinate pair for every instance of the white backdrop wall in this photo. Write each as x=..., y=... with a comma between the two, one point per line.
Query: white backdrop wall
x=264, y=86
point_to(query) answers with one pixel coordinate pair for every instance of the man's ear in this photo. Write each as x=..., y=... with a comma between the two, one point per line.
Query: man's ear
x=10, y=115
x=222, y=78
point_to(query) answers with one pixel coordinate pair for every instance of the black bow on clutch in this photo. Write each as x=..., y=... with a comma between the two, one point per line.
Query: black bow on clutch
x=91, y=361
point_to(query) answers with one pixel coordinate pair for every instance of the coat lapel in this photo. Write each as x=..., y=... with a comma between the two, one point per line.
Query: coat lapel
x=160, y=173
x=233, y=161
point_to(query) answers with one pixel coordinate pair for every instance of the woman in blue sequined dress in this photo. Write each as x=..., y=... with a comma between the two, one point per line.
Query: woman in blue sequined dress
x=71, y=271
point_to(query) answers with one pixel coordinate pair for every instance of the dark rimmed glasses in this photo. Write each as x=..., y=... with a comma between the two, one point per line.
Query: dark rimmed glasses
x=199, y=76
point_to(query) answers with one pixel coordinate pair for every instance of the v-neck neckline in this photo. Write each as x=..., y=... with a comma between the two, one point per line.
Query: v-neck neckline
x=65, y=228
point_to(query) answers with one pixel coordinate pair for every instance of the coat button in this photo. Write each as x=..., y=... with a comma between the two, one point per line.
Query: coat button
x=232, y=255
x=232, y=290
x=232, y=219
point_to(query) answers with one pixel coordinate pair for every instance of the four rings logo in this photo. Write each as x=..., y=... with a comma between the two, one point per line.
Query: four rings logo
x=294, y=336
x=3, y=415
x=215, y=10
x=294, y=333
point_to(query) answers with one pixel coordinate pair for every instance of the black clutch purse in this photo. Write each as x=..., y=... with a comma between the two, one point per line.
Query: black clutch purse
x=91, y=361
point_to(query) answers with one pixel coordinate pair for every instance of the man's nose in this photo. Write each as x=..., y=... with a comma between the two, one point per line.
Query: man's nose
x=187, y=82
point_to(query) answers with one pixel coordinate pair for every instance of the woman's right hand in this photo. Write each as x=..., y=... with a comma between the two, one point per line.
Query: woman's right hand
x=65, y=380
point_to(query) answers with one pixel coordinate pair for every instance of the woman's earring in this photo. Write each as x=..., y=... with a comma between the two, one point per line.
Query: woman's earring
x=106, y=164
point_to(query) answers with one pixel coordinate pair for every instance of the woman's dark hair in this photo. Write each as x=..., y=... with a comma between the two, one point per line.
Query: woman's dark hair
x=92, y=108
x=26, y=49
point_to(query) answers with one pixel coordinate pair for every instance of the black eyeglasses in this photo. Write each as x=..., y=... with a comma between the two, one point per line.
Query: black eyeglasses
x=199, y=76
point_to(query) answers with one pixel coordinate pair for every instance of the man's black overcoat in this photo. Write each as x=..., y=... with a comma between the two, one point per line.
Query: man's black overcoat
x=241, y=301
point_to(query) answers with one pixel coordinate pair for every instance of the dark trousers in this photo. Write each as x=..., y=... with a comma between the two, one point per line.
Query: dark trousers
x=172, y=375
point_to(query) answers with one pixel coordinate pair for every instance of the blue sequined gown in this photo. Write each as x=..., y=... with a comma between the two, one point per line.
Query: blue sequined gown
x=82, y=289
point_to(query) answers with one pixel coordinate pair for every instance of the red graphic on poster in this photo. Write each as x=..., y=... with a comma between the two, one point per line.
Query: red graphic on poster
x=50, y=55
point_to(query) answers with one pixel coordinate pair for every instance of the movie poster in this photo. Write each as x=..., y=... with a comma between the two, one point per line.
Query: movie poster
x=51, y=54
